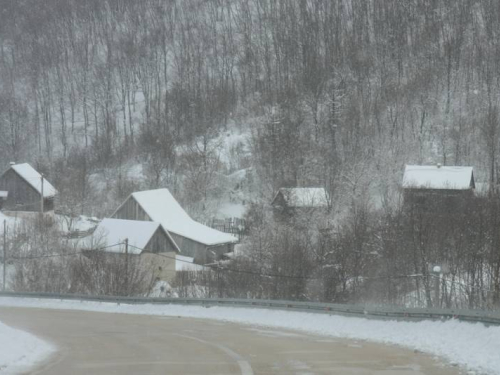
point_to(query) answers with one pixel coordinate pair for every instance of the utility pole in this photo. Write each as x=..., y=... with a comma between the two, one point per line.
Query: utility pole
x=126, y=265
x=4, y=253
x=41, y=200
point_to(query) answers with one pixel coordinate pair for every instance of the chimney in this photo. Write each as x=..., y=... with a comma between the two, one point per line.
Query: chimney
x=438, y=165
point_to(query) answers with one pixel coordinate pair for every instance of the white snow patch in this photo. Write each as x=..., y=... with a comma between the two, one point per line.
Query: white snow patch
x=11, y=223
x=69, y=223
x=304, y=197
x=162, y=289
x=232, y=140
x=136, y=172
x=10, y=271
x=230, y=210
x=184, y=263
x=20, y=350
x=471, y=345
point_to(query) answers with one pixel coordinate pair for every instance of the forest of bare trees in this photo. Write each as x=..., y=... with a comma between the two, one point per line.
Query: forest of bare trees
x=339, y=94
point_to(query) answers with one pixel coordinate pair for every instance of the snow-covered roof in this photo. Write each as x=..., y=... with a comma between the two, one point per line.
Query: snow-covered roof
x=115, y=231
x=31, y=176
x=162, y=207
x=304, y=197
x=183, y=263
x=438, y=177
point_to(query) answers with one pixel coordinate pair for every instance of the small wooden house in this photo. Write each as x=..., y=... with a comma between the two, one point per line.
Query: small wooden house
x=23, y=188
x=193, y=239
x=290, y=201
x=146, y=239
x=435, y=186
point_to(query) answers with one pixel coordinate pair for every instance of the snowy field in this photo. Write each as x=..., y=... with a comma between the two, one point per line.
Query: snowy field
x=20, y=350
x=473, y=346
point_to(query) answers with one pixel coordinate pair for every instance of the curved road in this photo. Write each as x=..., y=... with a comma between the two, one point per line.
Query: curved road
x=103, y=343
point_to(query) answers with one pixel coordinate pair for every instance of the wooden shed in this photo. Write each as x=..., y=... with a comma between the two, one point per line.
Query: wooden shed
x=290, y=201
x=437, y=187
x=194, y=239
x=23, y=187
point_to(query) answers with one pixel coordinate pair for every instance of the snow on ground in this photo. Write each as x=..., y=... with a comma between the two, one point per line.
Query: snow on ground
x=12, y=223
x=20, y=350
x=184, y=263
x=10, y=271
x=304, y=197
x=473, y=346
x=231, y=140
x=231, y=210
x=69, y=223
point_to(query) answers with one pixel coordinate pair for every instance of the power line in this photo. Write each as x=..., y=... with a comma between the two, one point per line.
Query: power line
x=64, y=254
x=45, y=256
x=249, y=272
x=235, y=270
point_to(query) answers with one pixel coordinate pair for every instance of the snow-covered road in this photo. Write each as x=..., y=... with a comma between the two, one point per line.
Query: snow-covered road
x=473, y=346
x=20, y=350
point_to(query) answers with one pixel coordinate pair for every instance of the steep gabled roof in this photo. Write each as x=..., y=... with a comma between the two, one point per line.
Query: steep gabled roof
x=163, y=208
x=303, y=197
x=438, y=177
x=32, y=177
x=115, y=231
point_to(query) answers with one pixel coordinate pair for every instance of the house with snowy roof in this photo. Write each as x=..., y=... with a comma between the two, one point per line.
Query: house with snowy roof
x=434, y=185
x=290, y=201
x=145, y=239
x=193, y=239
x=22, y=188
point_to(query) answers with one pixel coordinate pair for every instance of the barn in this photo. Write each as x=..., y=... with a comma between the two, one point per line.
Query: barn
x=22, y=188
x=146, y=239
x=290, y=201
x=436, y=187
x=194, y=239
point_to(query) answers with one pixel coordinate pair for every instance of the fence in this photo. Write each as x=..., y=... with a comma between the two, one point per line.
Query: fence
x=368, y=311
x=79, y=233
x=235, y=226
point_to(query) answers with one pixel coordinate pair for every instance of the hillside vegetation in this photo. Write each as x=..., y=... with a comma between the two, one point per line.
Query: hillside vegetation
x=111, y=96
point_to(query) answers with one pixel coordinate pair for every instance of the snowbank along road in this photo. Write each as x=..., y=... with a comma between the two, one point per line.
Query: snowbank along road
x=103, y=343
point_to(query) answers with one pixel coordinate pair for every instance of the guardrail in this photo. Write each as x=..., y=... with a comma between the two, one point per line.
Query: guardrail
x=368, y=311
